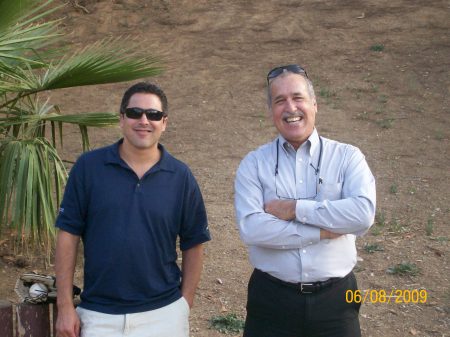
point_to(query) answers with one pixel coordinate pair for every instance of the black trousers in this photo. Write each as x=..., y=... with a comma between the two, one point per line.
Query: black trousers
x=277, y=310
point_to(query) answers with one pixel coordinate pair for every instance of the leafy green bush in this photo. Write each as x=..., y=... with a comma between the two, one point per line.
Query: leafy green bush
x=227, y=324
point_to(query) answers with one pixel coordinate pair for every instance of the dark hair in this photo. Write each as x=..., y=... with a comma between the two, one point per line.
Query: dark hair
x=146, y=88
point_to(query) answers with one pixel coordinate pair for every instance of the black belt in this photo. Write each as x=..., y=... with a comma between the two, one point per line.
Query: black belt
x=303, y=287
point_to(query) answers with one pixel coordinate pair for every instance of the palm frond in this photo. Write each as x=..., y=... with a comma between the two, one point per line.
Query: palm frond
x=38, y=11
x=97, y=119
x=17, y=80
x=19, y=46
x=12, y=11
x=21, y=13
x=21, y=42
x=32, y=171
x=106, y=61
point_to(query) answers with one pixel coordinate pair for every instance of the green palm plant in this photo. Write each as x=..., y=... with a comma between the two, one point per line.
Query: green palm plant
x=32, y=173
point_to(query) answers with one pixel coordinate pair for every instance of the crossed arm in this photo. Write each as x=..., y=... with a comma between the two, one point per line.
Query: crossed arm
x=293, y=224
x=285, y=210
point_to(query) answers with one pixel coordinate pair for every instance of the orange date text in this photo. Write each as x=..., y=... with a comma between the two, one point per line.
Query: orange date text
x=396, y=296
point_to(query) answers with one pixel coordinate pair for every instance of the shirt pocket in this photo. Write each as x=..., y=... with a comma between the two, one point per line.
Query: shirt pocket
x=329, y=191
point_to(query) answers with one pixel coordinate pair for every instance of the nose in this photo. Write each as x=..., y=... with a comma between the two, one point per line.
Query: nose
x=143, y=119
x=290, y=105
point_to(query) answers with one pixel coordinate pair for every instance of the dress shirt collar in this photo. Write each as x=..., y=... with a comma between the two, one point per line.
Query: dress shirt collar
x=312, y=143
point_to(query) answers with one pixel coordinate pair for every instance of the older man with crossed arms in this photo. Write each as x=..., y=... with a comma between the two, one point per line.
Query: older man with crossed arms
x=301, y=200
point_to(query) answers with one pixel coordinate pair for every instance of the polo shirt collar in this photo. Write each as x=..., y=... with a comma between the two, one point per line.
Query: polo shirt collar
x=166, y=162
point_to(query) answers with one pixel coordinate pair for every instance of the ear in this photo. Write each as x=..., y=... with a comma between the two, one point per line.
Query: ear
x=121, y=120
x=315, y=105
x=164, y=123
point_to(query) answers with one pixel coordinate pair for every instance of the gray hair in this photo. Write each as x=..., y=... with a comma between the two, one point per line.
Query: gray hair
x=309, y=86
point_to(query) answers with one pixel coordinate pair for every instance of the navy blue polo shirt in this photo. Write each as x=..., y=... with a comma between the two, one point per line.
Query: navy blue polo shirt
x=129, y=227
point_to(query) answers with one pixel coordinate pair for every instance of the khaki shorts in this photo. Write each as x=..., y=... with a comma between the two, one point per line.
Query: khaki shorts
x=169, y=321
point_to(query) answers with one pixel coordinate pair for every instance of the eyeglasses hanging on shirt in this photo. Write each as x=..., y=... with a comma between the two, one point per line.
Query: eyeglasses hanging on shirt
x=319, y=180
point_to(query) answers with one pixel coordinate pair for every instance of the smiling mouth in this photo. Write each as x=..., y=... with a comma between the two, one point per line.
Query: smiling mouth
x=293, y=119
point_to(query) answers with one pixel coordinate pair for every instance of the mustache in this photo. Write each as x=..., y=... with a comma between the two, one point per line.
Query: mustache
x=293, y=114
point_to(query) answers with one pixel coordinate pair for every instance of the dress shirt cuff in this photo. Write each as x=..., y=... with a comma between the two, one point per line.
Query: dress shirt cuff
x=304, y=211
x=310, y=234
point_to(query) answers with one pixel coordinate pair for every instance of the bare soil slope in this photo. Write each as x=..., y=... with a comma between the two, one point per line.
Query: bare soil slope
x=381, y=72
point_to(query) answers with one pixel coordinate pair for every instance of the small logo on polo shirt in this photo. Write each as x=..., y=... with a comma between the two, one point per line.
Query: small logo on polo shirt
x=61, y=210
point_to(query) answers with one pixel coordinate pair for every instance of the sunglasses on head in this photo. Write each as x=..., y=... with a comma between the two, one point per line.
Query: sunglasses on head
x=151, y=114
x=293, y=68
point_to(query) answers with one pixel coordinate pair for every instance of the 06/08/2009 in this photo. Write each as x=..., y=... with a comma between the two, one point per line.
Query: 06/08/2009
x=387, y=296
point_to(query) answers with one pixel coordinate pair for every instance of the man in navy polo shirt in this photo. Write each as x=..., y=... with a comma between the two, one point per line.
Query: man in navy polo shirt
x=129, y=202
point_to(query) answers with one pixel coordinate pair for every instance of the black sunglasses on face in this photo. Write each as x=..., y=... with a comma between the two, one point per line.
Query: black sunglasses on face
x=151, y=114
x=293, y=68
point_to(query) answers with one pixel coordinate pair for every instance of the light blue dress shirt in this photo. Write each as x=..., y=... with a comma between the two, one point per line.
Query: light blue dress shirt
x=345, y=203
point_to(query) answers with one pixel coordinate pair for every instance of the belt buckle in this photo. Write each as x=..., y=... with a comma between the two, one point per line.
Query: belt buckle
x=303, y=291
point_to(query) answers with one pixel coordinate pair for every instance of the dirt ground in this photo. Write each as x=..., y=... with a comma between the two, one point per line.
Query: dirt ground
x=381, y=74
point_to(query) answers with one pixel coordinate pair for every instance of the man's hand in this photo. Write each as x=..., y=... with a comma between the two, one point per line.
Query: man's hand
x=285, y=210
x=68, y=322
x=327, y=235
x=282, y=209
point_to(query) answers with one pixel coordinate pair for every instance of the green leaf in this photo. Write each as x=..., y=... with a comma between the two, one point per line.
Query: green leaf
x=227, y=324
x=31, y=173
x=12, y=11
x=106, y=61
